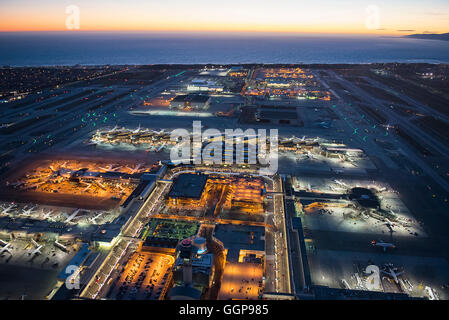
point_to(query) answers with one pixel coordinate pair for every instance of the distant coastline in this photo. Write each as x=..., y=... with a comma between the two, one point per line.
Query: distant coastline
x=430, y=36
x=68, y=49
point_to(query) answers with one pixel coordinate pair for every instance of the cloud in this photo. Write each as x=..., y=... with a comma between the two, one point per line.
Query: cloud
x=435, y=13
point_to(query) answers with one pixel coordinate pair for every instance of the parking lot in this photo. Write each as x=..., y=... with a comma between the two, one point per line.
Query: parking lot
x=241, y=281
x=144, y=277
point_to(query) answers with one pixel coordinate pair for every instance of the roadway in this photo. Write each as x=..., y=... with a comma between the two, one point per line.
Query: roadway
x=373, y=151
x=127, y=239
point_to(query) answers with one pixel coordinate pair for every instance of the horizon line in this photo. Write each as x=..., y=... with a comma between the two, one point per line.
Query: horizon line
x=252, y=32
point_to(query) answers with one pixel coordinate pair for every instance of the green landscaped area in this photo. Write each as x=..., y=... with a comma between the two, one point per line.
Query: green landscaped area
x=164, y=228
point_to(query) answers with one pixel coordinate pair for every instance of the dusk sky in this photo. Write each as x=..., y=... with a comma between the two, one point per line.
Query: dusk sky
x=297, y=16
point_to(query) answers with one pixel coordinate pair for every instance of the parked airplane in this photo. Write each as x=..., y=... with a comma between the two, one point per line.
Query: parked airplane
x=36, y=251
x=6, y=247
x=89, y=185
x=159, y=132
x=136, y=169
x=61, y=246
x=160, y=147
x=391, y=271
x=341, y=183
x=94, y=219
x=384, y=245
x=389, y=224
x=110, y=168
x=28, y=212
x=137, y=130
x=72, y=216
x=345, y=284
x=47, y=215
x=6, y=210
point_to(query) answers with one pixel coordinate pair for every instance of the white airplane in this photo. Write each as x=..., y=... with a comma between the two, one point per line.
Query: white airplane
x=331, y=187
x=113, y=129
x=98, y=183
x=61, y=246
x=359, y=281
x=390, y=271
x=27, y=212
x=137, y=130
x=72, y=216
x=389, y=224
x=6, y=210
x=296, y=139
x=136, y=169
x=94, y=219
x=292, y=138
x=6, y=247
x=159, y=132
x=393, y=213
x=324, y=124
x=88, y=187
x=47, y=215
x=384, y=245
x=37, y=250
x=341, y=183
x=345, y=284
x=110, y=168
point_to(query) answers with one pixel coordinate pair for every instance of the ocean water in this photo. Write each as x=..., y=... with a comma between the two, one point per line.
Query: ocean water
x=93, y=48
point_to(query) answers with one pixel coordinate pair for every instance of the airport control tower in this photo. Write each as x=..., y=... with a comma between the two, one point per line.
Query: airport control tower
x=193, y=270
x=186, y=252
